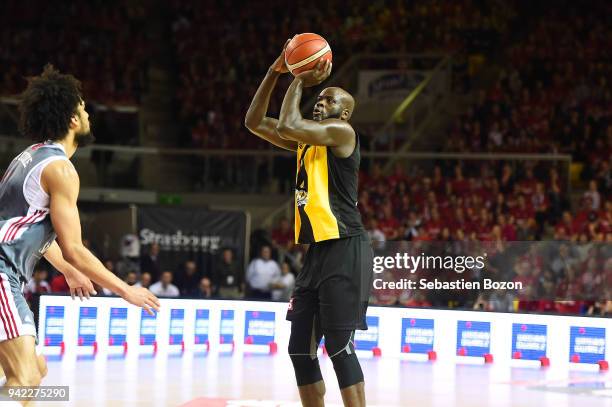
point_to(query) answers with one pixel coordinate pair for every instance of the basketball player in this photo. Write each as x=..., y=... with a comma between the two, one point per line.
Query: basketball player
x=332, y=290
x=38, y=202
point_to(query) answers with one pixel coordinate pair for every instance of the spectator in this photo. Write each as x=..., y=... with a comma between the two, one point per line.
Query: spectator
x=283, y=286
x=187, y=281
x=130, y=253
x=261, y=273
x=283, y=236
x=164, y=287
x=38, y=284
x=376, y=235
x=228, y=276
x=131, y=278
x=593, y=195
x=385, y=296
x=59, y=284
x=145, y=280
x=205, y=289
x=150, y=262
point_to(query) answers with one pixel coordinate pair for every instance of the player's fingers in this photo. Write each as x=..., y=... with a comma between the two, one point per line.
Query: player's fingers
x=151, y=305
x=72, y=290
x=154, y=302
x=153, y=298
x=146, y=308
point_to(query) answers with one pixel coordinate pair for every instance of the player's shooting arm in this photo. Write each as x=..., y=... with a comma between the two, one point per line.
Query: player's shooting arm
x=256, y=120
x=292, y=126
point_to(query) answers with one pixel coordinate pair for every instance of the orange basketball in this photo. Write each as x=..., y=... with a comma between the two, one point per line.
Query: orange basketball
x=304, y=51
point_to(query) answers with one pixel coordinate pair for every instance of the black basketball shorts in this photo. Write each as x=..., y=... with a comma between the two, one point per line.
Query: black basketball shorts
x=334, y=285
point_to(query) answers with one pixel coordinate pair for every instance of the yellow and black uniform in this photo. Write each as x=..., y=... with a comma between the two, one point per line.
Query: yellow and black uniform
x=333, y=287
x=326, y=194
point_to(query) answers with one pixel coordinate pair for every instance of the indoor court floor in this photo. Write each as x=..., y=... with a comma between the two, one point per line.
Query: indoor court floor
x=263, y=380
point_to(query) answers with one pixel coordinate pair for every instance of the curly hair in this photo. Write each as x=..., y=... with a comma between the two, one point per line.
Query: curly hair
x=48, y=103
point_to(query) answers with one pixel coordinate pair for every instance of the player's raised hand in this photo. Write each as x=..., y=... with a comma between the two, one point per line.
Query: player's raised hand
x=317, y=75
x=279, y=65
x=142, y=297
x=79, y=285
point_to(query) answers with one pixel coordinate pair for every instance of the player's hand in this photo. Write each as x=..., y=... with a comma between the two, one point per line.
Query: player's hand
x=279, y=65
x=79, y=285
x=317, y=75
x=142, y=297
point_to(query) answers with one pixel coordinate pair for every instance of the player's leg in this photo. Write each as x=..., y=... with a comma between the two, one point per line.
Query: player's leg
x=303, y=353
x=343, y=293
x=42, y=368
x=19, y=362
x=341, y=350
x=303, y=344
x=21, y=365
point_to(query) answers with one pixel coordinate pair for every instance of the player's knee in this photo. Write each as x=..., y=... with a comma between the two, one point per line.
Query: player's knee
x=305, y=364
x=306, y=368
x=341, y=350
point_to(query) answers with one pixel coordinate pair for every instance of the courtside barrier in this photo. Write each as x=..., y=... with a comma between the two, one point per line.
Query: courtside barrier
x=108, y=327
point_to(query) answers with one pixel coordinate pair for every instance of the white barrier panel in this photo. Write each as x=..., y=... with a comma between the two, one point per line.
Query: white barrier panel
x=109, y=327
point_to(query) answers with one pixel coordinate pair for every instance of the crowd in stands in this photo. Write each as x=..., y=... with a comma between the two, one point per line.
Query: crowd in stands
x=100, y=42
x=527, y=201
x=265, y=277
x=218, y=78
x=554, y=94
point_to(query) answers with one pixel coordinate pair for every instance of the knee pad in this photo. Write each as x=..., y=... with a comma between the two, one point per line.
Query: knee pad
x=303, y=344
x=341, y=350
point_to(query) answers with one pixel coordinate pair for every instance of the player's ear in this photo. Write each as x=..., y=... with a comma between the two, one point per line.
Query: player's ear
x=74, y=121
x=345, y=114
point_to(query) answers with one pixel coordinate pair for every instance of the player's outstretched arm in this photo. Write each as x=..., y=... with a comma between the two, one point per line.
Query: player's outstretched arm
x=79, y=284
x=291, y=124
x=256, y=120
x=61, y=182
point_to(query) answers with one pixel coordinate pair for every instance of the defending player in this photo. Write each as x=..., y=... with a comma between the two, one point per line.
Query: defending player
x=38, y=202
x=332, y=290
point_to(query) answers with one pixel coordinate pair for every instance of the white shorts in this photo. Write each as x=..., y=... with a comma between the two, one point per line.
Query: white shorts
x=16, y=318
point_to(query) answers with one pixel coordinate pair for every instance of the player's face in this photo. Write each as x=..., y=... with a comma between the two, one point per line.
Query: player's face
x=328, y=106
x=83, y=136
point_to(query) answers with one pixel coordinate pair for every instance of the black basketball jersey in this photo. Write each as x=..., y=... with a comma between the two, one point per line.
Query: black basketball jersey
x=326, y=194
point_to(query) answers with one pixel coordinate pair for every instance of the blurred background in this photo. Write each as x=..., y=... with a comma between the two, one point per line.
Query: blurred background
x=480, y=121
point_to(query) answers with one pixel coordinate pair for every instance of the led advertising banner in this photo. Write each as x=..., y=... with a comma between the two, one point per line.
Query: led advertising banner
x=259, y=327
x=417, y=335
x=86, y=341
x=587, y=344
x=54, y=326
x=368, y=340
x=239, y=327
x=226, y=333
x=529, y=341
x=201, y=327
x=473, y=338
x=177, y=323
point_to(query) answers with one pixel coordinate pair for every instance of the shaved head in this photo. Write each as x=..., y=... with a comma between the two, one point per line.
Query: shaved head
x=335, y=103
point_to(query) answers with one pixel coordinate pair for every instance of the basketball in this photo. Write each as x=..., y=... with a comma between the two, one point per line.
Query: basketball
x=304, y=51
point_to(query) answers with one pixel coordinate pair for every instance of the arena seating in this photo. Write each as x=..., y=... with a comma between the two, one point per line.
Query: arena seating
x=108, y=53
x=214, y=112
